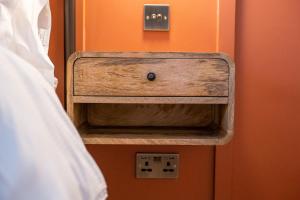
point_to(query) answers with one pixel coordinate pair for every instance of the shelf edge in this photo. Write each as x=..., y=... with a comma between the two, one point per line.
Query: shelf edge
x=150, y=100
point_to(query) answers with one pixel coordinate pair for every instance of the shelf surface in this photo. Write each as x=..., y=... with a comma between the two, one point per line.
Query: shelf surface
x=151, y=100
x=151, y=136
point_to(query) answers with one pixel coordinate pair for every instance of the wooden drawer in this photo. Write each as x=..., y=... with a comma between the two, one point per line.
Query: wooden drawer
x=190, y=102
x=117, y=76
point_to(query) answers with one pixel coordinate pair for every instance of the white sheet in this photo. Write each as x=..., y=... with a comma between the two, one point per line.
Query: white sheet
x=42, y=156
x=23, y=23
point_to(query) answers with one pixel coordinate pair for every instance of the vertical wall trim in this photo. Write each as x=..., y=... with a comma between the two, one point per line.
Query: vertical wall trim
x=69, y=28
x=218, y=26
x=84, y=26
x=224, y=154
x=69, y=33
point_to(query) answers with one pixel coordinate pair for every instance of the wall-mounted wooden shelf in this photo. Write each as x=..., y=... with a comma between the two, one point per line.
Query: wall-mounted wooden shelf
x=190, y=101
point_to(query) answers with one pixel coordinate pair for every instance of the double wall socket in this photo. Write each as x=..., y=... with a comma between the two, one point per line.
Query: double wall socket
x=152, y=165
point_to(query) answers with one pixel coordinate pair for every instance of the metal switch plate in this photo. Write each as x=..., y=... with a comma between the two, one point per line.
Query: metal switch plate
x=152, y=165
x=156, y=17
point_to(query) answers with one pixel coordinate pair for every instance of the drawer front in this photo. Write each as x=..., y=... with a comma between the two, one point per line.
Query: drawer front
x=128, y=77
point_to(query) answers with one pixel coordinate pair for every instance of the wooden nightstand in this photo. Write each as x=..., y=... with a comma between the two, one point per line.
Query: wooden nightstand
x=151, y=98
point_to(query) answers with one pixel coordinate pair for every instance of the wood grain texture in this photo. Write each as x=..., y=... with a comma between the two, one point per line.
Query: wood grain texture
x=227, y=122
x=150, y=115
x=150, y=136
x=129, y=139
x=128, y=77
x=150, y=100
x=223, y=112
x=69, y=85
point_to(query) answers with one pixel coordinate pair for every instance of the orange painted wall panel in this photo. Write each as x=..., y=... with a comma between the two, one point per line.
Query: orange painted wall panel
x=56, y=50
x=266, y=148
x=118, y=165
x=224, y=154
x=262, y=162
x=118, y=26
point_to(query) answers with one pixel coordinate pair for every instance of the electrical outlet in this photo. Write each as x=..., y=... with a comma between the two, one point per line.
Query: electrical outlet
x=153, y=165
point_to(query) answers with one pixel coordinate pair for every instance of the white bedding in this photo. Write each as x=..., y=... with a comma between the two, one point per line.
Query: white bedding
x=42, y=156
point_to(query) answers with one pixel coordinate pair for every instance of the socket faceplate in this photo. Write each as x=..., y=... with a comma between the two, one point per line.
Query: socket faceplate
x=153, y=165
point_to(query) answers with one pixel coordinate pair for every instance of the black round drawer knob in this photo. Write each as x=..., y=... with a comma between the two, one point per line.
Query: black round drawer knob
x=151, y=76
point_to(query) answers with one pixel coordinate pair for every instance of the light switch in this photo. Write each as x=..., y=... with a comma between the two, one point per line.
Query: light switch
x=156, y=17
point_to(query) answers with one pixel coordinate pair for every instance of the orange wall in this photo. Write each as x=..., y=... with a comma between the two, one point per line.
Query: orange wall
x=118, y=165
x=116, y=25
x=266, y=161
x=56, y=50
x=262, y=162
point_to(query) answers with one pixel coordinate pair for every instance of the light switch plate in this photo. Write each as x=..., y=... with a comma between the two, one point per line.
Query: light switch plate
x=153, y=165
x=156, y=17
